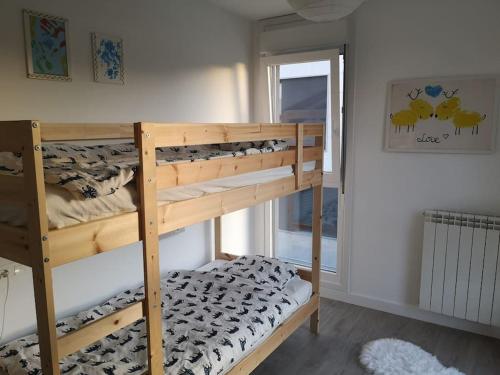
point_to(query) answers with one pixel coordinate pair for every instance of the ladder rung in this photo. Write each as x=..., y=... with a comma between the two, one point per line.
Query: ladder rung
x=98, y=329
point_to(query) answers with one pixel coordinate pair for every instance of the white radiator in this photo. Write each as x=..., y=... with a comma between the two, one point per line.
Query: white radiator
x=461, y=266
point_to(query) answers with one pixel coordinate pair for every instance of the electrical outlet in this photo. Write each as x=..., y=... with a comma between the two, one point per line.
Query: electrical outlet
x=9, y=268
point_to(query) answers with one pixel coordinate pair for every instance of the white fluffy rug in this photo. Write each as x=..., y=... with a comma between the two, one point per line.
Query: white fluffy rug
x=397, y=357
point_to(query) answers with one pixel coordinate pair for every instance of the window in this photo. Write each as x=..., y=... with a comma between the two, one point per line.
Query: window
x=307, y=87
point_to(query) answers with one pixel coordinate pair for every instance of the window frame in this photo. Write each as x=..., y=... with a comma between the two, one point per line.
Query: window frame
x=270, y=75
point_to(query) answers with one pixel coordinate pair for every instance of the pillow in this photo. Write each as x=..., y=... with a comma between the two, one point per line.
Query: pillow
x=261, y=270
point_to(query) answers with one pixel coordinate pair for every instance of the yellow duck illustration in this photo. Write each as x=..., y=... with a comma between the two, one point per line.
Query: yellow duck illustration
x=419, y=109
x=450, y=109
x=447, y=109
x=467, y=119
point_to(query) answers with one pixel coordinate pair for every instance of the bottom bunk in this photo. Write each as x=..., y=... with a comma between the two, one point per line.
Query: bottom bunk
x=213, y=318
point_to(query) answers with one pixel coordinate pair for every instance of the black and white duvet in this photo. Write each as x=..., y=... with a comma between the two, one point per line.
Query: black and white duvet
x=210, y=321
x=90, y=172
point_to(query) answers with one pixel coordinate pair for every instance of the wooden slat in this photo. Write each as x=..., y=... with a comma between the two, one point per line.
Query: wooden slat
x=313, y=130
x=299, y=156
x=170, y=175
x=148, y=228
x=88, y=131
x=93, y=131
x=261, y=352
x=319, y=142
x=198, y=134
x=14, y=244
x=15, y=235
x=12, y=189
x=204, y=170
x=87, y=239
x=305, y=274
x=39, y=248
x=194, y=134
x=98, y=329
x=317, y=219
x=180, y=214
x=313, y=153
x=14, y=134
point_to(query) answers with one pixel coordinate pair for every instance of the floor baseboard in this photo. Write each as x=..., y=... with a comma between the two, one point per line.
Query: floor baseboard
x=411, y=311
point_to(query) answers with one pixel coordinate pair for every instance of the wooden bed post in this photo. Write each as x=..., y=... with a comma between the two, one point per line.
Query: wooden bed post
x=299, y=161
x=148, y=225
x=317, y=228
x=38, y=243
x=218, y=238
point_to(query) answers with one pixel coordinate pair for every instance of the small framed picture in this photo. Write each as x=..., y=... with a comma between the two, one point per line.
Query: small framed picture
x=107, y=53
x=47, y=49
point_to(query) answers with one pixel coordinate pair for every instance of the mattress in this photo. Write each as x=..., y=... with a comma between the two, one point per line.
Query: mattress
x=212, y=319
x=64, y=210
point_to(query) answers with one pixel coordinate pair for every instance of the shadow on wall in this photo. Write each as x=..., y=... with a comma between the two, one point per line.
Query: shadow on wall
x=229, y=101
x=242, y=88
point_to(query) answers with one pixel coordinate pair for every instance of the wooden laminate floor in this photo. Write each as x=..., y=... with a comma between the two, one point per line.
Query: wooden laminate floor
x=345, y=328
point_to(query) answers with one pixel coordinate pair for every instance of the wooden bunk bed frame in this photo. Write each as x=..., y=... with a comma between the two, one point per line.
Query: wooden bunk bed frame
x=42, y=249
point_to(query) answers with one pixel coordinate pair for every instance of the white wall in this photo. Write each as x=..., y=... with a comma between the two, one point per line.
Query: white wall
x=405, y=39
x=185, y=60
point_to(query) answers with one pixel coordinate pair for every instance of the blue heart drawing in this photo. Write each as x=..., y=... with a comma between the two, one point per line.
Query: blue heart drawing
x=433, y=91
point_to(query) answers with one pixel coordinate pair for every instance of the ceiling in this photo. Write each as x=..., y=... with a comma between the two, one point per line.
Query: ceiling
x=256, y=9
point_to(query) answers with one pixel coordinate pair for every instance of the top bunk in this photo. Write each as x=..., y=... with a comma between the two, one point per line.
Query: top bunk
x=228, y=182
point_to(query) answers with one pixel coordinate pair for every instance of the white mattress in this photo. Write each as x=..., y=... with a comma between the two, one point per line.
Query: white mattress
x=64, y=210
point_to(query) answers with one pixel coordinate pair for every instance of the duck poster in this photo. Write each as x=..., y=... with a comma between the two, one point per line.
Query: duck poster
x=455, y=115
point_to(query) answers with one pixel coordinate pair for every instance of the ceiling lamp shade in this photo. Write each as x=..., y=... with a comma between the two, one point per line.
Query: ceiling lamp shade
x=324, y=10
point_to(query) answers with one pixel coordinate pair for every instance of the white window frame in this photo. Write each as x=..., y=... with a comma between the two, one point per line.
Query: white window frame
x=269, y=72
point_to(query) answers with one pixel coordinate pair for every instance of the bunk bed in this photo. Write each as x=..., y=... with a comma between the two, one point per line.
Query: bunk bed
x=42, y=248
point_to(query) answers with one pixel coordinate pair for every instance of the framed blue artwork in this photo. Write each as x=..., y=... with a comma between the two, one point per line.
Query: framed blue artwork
x=47, y=49
x=107, y=54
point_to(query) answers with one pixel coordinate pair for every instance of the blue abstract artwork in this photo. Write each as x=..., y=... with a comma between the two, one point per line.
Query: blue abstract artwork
x=46, y=46
x=108, y=59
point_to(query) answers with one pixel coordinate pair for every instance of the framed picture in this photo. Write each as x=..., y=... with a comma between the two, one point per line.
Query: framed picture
x=107, y=52
x=452, y=115
x=47, y=49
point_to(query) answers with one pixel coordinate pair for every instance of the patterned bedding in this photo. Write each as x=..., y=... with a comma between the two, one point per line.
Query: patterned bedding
x=64, y=210
x=89, y=172
x=211, y=320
